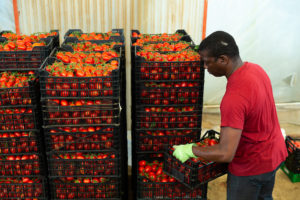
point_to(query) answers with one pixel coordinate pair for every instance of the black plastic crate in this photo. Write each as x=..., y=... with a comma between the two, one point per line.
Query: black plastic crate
x=25, y=60
x=168, y=96
x=25, y=164
x=153, y=141
x=85, y=139
x=56, y=116
x=165, y=120
x=169, y=37
x=98, y=188
x=159, y=46
x=24, y=188
x=292, y=162
x=112, y=37
x=20, y=96
x=56, y=42
x=194, y=172
x=19, y=119
x=20, y=142
x=76, y=163
x=161, y=186
x=188, y=71
x=101, y=87
x=168, y=190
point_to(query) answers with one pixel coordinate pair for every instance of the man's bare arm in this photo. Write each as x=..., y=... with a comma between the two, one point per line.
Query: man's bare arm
x=225, y=150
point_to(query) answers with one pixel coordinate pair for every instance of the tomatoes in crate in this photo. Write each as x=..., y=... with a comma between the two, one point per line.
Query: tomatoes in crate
x=154, y=183
x=195, y=171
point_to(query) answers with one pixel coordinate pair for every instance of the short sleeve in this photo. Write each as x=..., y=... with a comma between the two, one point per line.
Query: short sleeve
x=233, y=111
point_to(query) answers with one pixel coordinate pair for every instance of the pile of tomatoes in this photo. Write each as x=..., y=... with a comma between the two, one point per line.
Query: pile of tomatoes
x=87, y=58
x=16, y=42
x=15, y=79
x=89, y=46
x=59, y=69
x=93, y=35
x=145, y=38
x=179, y=46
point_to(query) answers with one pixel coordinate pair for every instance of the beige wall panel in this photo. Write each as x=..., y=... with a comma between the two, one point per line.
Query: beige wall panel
x=157, y=16
x=88, y=15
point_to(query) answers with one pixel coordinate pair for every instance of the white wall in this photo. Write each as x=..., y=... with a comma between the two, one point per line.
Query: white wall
x=267, y=33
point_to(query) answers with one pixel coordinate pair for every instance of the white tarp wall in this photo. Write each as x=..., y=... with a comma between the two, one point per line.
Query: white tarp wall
x=267, y=33
x=7, y=21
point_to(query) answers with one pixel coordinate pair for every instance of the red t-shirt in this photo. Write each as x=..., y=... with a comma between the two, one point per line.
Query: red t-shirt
x=248, y=104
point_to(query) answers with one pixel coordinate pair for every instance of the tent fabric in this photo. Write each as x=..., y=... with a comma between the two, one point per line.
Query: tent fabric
x=7, y=21
x=267, y=33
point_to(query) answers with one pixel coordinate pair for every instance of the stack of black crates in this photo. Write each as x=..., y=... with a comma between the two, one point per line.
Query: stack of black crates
x=84, y=119
x=23, y=168
x=167, y=101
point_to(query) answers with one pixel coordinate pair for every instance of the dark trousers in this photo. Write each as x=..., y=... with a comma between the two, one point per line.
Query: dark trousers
x=258, y=187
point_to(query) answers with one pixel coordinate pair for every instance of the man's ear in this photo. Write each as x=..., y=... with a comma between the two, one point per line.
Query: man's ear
x=223, y=59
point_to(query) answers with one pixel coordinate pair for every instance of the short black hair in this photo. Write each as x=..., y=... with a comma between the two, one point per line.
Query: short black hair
x=220, y=43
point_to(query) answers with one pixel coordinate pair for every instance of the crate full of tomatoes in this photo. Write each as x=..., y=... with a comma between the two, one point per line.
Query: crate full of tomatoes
x=86, y=187
x=82, y=163
x=54, y=34
x=164, y=46
x=195, y=171
x=24, y=52
x=56, y=116
x=21, y=164
x=161, y=66
x=157, y=140
x=114, y=35
x=18, y=89
x=293, y=160
x=84, y=138
x=19, y=119
x=77, y=80
x=185, y=117
x=23, y=188
x=92, y=45
x=68, y=55
x=20, y=142
x=170, y=93
x=138, y=39
x=153, y=183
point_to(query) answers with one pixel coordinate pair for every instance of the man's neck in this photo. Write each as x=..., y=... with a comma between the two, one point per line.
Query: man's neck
x=237, y=63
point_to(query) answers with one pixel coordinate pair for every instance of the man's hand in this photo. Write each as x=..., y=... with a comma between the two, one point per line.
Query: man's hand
x=184, y=152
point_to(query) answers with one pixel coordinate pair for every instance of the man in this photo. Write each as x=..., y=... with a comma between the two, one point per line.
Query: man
x=250, y=137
